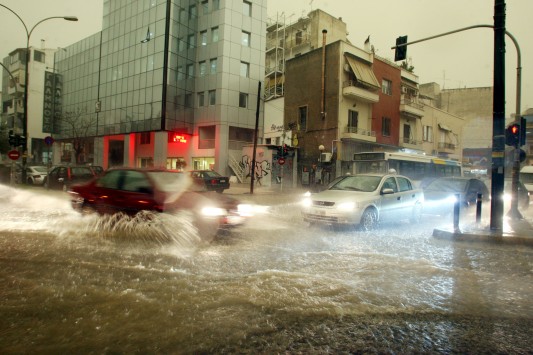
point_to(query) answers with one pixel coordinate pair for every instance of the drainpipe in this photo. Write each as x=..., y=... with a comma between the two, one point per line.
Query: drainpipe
x=323, y=101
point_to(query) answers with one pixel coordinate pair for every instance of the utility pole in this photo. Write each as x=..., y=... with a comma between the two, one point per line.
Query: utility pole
x=498, y=118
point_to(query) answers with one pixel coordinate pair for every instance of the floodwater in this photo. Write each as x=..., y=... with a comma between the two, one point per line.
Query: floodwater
x=73, y=284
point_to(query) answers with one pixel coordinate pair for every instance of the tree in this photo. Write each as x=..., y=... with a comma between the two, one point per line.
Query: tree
x=80, y=127
x=406, y=66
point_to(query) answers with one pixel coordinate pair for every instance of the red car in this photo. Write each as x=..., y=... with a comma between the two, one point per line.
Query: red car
x=130, y=191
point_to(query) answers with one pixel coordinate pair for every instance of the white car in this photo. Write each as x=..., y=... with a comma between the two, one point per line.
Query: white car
x=35, y=175
x=364, y=200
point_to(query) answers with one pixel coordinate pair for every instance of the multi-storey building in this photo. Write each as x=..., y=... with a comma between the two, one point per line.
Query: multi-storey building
x=41, y=60
x=165, y=83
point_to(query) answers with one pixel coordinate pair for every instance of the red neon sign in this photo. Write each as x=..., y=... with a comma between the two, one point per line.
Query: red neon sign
x=179, y=138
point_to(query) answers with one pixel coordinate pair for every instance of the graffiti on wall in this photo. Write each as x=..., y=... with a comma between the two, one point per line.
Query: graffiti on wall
x=262, y=168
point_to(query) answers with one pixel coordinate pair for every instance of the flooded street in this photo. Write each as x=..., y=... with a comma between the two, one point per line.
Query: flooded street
x=73, y=284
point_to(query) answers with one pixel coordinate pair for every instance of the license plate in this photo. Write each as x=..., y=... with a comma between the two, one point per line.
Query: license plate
x=221, y=181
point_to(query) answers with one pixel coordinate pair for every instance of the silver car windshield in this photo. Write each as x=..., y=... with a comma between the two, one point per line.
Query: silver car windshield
x=357, y=183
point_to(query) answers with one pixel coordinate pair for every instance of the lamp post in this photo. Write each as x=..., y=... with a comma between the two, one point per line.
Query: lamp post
x=26, y=80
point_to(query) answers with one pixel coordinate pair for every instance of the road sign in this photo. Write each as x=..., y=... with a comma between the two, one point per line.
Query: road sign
x=281, y=161
x=49, y=140
x=13, y=154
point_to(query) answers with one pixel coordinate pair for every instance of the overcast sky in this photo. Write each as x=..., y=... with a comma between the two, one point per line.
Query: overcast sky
x=461, y=60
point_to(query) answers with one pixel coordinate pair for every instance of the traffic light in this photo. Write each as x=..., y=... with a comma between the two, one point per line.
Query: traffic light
x=512, y=135
x=401, y=49
x=12, y=139
x=522, y=131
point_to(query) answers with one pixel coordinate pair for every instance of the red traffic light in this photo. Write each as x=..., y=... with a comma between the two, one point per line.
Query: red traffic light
x=512, y=135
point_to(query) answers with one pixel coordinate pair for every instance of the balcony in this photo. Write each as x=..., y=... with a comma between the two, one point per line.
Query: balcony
x=16, y=90
x=411, y=143
x=446, y=147
x=274, y=70
x=411, y=108
x=350, y=90
x=359, y=134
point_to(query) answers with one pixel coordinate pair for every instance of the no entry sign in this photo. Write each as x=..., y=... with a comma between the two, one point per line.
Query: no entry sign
x=13, y=154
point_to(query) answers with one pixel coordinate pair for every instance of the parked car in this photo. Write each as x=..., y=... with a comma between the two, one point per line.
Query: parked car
x=62, y=177
x=130, y=191
x=365, y=200
x=210, y=180
x=35, y=175
x=440, y=194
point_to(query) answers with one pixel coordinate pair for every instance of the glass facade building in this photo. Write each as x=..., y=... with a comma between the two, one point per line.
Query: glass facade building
x=162, y=83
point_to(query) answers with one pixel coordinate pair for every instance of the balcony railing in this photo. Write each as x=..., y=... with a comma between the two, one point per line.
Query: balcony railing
x=449, y=146
x=360, y=131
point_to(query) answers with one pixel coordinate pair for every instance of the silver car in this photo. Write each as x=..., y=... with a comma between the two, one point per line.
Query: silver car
x=35, y=175
x=364, y=200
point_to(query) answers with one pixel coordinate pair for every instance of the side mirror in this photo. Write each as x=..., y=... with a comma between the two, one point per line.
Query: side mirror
x=387, y=191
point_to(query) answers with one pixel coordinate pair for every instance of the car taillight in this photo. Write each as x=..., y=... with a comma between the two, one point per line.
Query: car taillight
x=213, y=182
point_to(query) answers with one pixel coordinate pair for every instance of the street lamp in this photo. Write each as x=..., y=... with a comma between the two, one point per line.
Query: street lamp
x=26, y=79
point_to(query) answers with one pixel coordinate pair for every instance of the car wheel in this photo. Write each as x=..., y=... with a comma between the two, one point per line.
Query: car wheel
x=45, y=183
x=416, y=215
x=29, y=181
x=369, y=220
x=220, y=191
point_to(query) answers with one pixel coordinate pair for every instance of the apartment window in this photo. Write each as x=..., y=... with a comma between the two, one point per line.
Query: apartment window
x=245, y=39
x=145, y=137
x=38, y=56
x=247, y=8
x=213, y=65
x=190, y=41
x=427, y=134
x=214, y=34
x=243, y=100
x=203, y=38
x=180, y=72
x=181, y=44
x=205, y=6
x=192, y=12
x=190, y=70
x=299, y=37
x=385, y=126
x=216, y=5
x=302, y=117
x=202, y=68
x=245, y=69
x=353, y=117
x=407, y=133
x=188, y=100
x=386, y=87
x=201, y=99
x=212, y=97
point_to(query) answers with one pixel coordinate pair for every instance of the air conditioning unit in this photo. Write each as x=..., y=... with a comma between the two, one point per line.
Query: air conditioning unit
x=325, y=157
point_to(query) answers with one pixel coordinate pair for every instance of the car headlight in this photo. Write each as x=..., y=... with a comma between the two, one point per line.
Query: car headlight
x=307, y=202
x=451, y=199
x=347, y=206
x=213, y=212
x=245, y=209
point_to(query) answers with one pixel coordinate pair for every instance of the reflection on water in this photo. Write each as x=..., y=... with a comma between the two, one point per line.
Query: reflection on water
x=74, y=283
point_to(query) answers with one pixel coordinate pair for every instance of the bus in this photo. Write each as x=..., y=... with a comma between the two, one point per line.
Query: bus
x=418, y=167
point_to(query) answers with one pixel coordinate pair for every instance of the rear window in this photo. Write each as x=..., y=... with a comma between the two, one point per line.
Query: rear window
x=82, y=172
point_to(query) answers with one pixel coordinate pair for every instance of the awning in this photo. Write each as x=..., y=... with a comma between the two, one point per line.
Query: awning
x=363, y=72
x=444, y=127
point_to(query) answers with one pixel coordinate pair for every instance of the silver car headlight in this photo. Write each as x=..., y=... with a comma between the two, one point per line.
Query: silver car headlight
x=307, y=202
x=347, y=206
x=213, y=212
